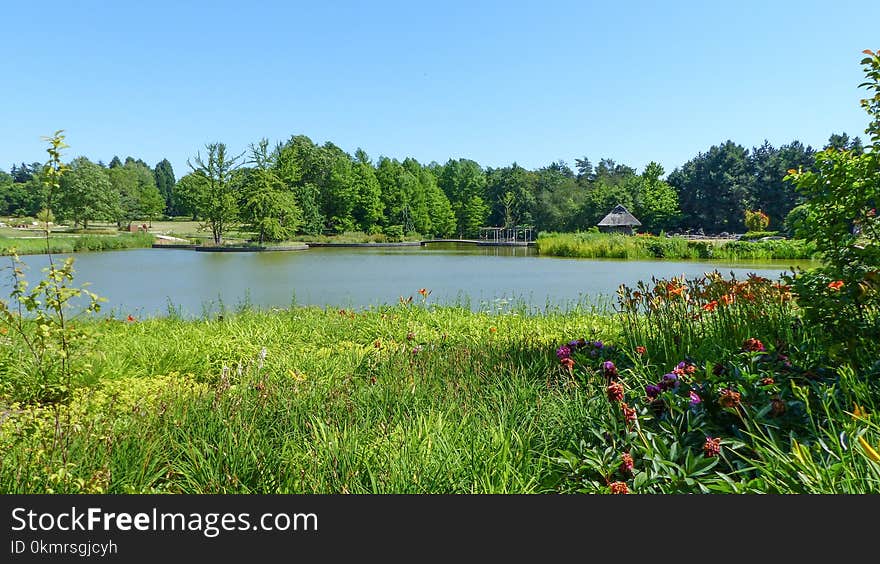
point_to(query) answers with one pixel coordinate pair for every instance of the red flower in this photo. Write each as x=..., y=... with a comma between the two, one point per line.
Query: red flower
x=711, y=305
x=629, y=414
x=618, y=488
x=727, y=299
x=131, y=319
x=627, y=463
x=729, y=398
x=641, y=350
x=712, y=447
x=836, y=285
x=568, y=362
x=753, y=345
x=615, y=392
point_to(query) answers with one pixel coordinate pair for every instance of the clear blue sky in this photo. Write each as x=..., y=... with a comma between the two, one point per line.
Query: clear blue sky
x=497, y=82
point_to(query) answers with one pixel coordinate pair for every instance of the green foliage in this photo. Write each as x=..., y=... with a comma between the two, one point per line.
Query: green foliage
x=592, y=244
x=164, y=174
x=267, y=205
x=218, y=198
x=842, y=194
x=87, y=194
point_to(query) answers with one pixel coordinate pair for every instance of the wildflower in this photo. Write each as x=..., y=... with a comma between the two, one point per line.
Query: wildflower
x=493, y=329
x=406, y=301
x=669, y=381
x=424, y=292
x=576, y=344
x=777, y=407
x=563, y=352
x=767, y=381
x=410, y=336
x=417, y=349
x=836, y=285
x=711, y=305
x=568, y=362
x=618, y=488
x=674, y=289
x=599, y=345
x=859, y=412
x=684, y=368
x=712, y=447
x=641, y=350
x=729, y=398
x=727, y=299
x=627, y=464
x=653, y=390
x=695, y=398
x=629, y=414
x=615, y=391
x=753, y=345
x=131, y=319
x=609, y=369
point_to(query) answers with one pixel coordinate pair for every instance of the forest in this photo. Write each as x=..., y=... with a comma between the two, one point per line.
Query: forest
x=298, y=187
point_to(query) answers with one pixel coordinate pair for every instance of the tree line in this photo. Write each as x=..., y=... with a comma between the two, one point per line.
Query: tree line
x=299, y=187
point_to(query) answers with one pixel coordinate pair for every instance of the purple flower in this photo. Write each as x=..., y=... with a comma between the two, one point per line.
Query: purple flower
x=669, y=381
x=652, y=390
x=695, y=399
x=573, y=345
x=609, y=369
x=682, y=365
x=598, y=344
x=563, y=352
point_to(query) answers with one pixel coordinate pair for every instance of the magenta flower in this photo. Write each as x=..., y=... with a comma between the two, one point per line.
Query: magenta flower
x=695, y=399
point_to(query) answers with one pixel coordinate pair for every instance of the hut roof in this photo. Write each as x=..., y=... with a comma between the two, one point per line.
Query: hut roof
x=619, y=217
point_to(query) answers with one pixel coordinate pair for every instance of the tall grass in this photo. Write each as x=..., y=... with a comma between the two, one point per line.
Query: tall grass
x=402, y=399
x=617, y=246
x=71, y=244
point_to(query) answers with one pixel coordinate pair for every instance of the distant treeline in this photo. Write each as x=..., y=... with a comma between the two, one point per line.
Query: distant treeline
x=299, y=187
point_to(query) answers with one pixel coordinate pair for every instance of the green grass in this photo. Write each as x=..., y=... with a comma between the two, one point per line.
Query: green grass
x=604, y=245
x=424, y=399
x=474, y=409
x=74, y=243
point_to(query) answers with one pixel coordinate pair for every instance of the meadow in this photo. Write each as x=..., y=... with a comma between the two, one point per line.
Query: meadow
x=415, y=398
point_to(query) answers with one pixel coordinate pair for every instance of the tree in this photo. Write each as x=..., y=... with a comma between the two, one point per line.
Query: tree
x=138, y=196
x=267, y=206
x=715, y=188
x=842, y=194
x=657, y=203
x=462, y=180
x=164, y=174
x=115, y=162
x=218, y=204
x=368, y=207
x=475, y=213
x=298, y=165
x=86, y=194
x=188, y=192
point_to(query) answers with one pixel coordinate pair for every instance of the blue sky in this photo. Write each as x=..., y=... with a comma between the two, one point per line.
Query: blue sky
x=498, y=82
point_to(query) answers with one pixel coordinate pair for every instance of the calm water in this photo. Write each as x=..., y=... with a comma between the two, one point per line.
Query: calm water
x=146, y=281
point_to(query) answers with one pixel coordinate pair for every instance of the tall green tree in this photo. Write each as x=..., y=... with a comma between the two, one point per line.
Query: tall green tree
x=368, y=208
x=86, y=194
x=188, y=192
x=298, y=164
x=657, y=203
x=218, y=204
x=164, y=174
x=268, y=206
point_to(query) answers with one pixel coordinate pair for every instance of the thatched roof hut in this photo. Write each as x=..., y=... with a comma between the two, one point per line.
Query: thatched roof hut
x=619, y=220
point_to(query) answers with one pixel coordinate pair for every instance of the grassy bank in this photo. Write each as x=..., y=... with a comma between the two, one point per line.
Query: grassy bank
x=413, y=398
x=603, y=245
x=72, y=244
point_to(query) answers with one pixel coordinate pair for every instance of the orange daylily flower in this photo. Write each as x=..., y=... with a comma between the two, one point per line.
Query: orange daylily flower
x=836, y=285
x=711, y=305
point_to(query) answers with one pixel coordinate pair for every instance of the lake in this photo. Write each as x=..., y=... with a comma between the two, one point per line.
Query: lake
x=145, y=281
